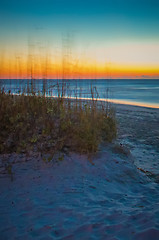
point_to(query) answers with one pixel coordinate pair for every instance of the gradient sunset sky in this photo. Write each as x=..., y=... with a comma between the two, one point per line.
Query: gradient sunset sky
x=79, y=39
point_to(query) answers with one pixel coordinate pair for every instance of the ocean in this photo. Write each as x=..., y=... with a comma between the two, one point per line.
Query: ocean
x=144, y=92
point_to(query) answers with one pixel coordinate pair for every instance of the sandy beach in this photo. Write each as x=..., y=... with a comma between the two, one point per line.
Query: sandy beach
x=112, y=195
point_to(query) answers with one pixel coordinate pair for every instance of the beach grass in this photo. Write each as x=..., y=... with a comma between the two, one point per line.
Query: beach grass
x=30, y=122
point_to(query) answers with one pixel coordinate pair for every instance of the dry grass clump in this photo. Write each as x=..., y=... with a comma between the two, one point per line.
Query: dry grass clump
x=39, y=123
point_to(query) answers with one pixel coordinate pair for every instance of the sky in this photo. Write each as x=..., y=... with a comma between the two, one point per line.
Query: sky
x=79, y=39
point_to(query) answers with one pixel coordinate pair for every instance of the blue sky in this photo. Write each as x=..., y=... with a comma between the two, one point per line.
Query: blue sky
x=142, y=16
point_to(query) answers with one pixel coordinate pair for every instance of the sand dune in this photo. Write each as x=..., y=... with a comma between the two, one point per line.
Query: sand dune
x=114, y=195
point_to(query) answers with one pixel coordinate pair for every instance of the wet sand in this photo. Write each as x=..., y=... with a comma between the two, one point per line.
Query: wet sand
x=114, y=195
x=138, y=128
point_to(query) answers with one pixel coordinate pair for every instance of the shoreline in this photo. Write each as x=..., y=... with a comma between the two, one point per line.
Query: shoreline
x=113, y=101
x=135, y=104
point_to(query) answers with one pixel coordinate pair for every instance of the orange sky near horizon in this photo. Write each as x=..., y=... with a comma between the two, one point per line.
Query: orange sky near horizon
x=134, y=60
x=51, y=70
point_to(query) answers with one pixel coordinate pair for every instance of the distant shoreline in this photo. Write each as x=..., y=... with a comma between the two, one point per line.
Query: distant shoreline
x=139, y=92
x=114, y=101
x=135, y=104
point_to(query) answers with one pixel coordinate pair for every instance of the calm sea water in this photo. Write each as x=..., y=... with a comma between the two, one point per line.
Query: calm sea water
x=136, y=91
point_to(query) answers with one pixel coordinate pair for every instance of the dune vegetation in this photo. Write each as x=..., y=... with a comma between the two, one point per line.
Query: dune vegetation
x=34, y=122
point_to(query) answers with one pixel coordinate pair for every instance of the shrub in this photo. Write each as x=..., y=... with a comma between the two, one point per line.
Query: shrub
x=52, y=124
